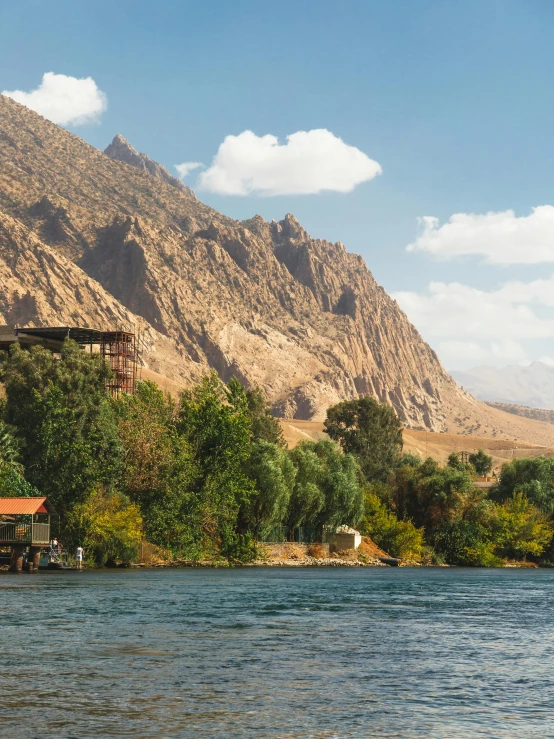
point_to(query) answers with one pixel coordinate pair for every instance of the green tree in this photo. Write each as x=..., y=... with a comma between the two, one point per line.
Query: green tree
x=65, y=420
x=273, y=473
x=481, y=462
x=160, y=472
x=532, y=476
x=307, y=497
x=264, y=426
x=214, y=420
x=465, y=543
x=327, y=488
x=10, y=446
x=12, y=481
x=107, y=525
x=441, y=495
x=521, y=529
x=409, y=460
x=454, y=461
x=368, y=430
x=397, y=538
x=13, y=484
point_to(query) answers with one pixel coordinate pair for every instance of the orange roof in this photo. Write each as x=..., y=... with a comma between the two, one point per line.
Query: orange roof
x=18, y=506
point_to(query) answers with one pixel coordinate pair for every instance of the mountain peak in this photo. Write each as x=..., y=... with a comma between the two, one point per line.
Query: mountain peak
x=122, y=151
x=119, y=144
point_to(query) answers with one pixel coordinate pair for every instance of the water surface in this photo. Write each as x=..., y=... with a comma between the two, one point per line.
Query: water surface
x=308, y=653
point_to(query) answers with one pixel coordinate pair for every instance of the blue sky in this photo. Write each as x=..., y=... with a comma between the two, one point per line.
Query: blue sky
x=452, y=99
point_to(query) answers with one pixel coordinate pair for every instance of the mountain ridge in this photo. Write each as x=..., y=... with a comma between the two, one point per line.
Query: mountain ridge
x=531, y=386
x=302, y=318
x=121, y=150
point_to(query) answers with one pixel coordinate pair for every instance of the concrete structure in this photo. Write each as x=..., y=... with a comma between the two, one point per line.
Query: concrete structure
x=345, y=538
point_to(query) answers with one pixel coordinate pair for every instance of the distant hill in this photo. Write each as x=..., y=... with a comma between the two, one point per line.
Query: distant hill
x=539, y=414
x=531, y=386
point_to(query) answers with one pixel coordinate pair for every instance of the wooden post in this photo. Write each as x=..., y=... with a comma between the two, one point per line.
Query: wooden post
x=17, y=558
x=34, y=559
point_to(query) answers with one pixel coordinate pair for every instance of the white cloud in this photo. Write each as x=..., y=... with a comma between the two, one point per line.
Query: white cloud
x=547, y=360
x=487, y=325
x=64, y=100
x=186, y=168
x=470, y=352
x=501, y=238
x=310, y=161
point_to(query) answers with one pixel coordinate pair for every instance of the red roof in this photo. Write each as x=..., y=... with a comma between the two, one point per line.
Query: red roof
x=18, y=506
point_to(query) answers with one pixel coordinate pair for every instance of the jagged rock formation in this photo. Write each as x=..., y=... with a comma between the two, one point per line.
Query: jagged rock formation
x=121, y=150
x=90, y=239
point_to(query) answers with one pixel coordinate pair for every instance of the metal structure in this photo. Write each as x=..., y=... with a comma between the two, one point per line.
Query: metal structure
x=118, y=348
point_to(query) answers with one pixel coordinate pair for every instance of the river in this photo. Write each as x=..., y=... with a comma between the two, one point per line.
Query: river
x=310, y=653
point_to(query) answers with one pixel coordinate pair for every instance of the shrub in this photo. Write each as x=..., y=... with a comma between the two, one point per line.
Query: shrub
x=317, y=551
x=398, y=538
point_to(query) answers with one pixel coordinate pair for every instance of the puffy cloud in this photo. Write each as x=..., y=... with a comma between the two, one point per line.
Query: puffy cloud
x=501, y=238
x=487, y=325
x=309, y=162
x=65, y=100
x=186, y=168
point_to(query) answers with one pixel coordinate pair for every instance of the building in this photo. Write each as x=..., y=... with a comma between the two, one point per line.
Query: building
x=344, y=538
x=118, y=348
x=25, y=524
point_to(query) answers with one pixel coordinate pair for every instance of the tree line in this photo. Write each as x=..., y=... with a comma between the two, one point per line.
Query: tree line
x=207, y=474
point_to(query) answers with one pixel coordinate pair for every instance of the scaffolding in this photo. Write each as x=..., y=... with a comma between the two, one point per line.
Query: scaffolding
x=119, y=350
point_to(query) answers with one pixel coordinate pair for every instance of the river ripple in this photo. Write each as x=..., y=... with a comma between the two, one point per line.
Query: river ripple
x=296, y=653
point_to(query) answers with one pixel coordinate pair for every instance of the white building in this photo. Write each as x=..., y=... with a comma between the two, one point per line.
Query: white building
x=345, y=538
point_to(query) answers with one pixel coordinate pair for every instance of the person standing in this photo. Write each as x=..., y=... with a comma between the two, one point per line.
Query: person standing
x=79, y=557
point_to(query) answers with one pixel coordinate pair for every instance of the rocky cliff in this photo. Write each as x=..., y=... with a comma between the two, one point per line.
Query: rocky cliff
x=121, y=150
x=88, y=239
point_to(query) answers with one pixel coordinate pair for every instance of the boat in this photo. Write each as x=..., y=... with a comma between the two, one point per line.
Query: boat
x=391, y=561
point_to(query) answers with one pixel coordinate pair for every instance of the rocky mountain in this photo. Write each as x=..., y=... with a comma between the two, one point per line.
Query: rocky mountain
x=90, y=239
x=121, y=150
x=531, y=386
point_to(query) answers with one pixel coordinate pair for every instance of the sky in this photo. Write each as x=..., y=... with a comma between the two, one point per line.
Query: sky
x=417, y=132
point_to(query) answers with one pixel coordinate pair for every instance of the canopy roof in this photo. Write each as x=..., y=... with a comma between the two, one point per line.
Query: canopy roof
x=80, y=335
x=20, y=506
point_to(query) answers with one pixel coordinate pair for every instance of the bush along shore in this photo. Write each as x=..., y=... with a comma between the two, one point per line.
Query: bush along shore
x=200, y=481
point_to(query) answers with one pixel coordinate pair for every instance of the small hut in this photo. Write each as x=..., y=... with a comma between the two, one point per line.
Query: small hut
x=345, y=538
x=25, y=523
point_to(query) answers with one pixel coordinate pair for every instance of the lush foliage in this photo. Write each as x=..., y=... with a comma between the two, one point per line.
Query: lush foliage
x=265, y=427
x=396, y=537
x=481, y=463
x=209, y=473
x=368, y=430
x=69, y=439
x=108, y=526
x=273, y=473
